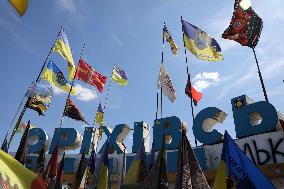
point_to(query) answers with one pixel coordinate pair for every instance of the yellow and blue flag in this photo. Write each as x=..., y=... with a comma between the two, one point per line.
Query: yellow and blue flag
x=137, y=171
x=168, y=37
x=200, y=44
x=99, y=119
x=62, y=47
x=119, y=76
x=237, y=171
x=100, y=178
x=54, y=76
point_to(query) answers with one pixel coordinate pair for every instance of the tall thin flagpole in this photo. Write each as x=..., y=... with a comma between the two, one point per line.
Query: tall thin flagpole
x=27, y=102
x=188, y=78
x=69, y=94
x=260, y=77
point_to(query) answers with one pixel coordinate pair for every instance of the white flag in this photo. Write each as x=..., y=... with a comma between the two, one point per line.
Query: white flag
x=166, y=83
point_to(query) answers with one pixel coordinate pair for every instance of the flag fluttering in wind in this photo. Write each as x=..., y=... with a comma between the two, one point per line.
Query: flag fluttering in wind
x=99, y=119
x=237, y=170
x=73, y=112
x=54, y=76
x=245, y=27
x=22, y=127
x=40, y=91
x=89, y=75
x=190, y=175
x=193, y=93
x=200, y=44
x=165, y=82
x=37, y=105
x=137, y=171
x=81, y=170
x=22, y=151
x=119, y=76
x=92, y=167
x=16, y=175
x=20, y=6
x=168, y=37
x=62, y=47
x=100, y=177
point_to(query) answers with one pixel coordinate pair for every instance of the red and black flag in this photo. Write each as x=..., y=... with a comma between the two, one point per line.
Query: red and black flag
x=193, y=93
x=73, y=112
x=22, y=151
x=40, y=162
x=89, y=75
x=60, y=172
x=245, y=27
x=50, y=172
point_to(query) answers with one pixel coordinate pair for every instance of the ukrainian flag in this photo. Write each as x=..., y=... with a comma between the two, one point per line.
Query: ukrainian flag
x=200, y=44
x=53, y=75
x=237, y=171
x=62, y=47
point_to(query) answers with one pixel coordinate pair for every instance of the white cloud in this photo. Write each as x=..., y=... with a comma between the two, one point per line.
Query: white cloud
x=67, y=5
x=82, y=93
x=85, y=94
x=205, y=79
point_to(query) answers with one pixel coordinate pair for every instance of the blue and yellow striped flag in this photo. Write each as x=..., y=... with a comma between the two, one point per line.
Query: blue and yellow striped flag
x=200, y=44
x=62, y=47
x=119, y=76
x=54, y=76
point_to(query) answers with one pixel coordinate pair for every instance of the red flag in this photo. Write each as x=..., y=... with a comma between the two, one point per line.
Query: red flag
x=51, y=169
x=196, y=96
x=59, y=178
x=88, y=74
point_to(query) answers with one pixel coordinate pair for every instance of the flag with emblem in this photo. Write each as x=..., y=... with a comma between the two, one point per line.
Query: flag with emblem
x=200, y=44
x=168, y=37
x=99, y=119
x=62, y=47
x=89, y=75
x=40, y=91
x=165, y=82
x=54, y=76
x=37, y=105
x=73, y=112
x=14, y=175
x=245, y=26
x=119, y=76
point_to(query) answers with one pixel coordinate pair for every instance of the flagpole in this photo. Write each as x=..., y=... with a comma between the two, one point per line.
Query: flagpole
x=27, y=102
x=69, y=94
x=260, y=77
x=188, y=78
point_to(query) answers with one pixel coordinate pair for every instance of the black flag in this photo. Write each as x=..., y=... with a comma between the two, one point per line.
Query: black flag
x=21, y=153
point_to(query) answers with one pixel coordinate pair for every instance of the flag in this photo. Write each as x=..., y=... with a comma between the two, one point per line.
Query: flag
x=38, y=90
x=165, y=82
x=100, y=177
x=62, y=47
x=59, y=178
x=37, y=105
x=50, y=172
x=14, y=175
x=92, y=166
x=20, y=6
x=40, y=162
x=158, y=174
x=137, y=171
x=4, y=146
x=81, y=170
x=119, y=76
x=54, y=76
x=194, y=94
x=152, y=155
x=73, y=112
x=245, y=26
x=22, y=151
x=89, y=75
x=237, y=170
x=22, y=127
x=168, y=37
x=99, y=119
x=200, y=44
x=190, y=175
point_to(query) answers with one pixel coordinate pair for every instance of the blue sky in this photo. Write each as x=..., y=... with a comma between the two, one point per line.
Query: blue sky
x=129, y=34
